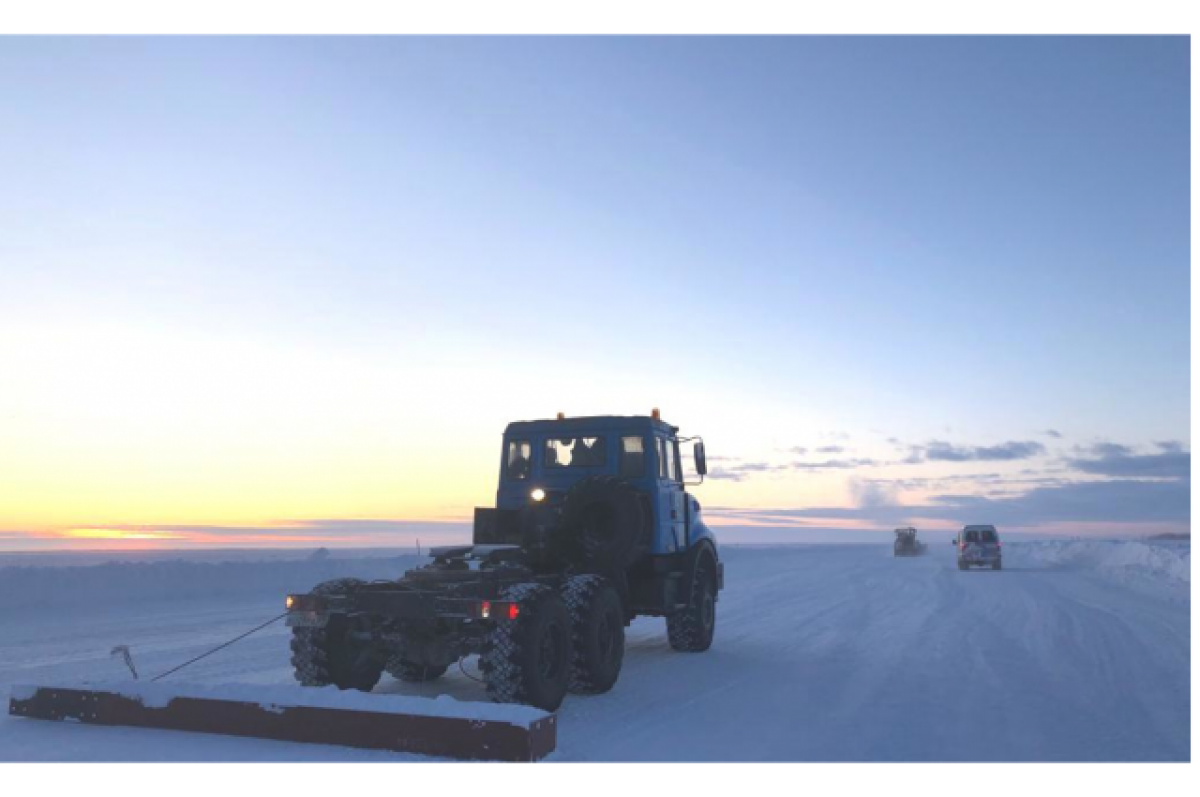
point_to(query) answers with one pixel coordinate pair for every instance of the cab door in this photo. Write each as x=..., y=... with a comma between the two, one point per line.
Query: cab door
x=672, y=499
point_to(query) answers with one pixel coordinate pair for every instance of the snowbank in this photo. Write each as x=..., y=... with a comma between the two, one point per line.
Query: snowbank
x=127, y=582
x=1118, y=559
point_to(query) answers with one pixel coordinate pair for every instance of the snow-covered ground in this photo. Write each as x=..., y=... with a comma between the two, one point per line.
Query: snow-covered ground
x=1076, y=651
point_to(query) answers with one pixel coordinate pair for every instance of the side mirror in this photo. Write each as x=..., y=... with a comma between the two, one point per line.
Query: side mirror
x=698, y=457
x=954, y=541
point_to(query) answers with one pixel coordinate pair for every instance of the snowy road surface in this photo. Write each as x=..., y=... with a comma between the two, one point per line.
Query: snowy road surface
x=823, y=653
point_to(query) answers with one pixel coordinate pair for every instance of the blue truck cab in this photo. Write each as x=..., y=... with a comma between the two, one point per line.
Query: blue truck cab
x=549, y=467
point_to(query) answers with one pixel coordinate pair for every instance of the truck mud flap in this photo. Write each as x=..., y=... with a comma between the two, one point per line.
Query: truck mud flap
x=451, y=737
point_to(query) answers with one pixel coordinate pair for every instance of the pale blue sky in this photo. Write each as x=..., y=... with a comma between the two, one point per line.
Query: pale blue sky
x=961, y=239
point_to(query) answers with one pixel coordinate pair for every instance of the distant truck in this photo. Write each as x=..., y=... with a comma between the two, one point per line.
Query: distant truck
x=978, y=546
x=907, y=543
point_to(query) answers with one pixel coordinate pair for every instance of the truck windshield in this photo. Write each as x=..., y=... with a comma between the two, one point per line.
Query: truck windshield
x=575, y=452
x=987, y=535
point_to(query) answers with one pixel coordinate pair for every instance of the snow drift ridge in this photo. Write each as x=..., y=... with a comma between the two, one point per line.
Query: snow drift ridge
x=1113, y=558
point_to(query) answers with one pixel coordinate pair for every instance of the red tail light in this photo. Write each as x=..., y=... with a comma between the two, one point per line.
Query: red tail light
x=499, y=610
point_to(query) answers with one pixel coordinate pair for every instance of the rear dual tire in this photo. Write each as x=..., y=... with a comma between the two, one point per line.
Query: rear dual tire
x=597, y=633
x=528, y=660
x=329, y=656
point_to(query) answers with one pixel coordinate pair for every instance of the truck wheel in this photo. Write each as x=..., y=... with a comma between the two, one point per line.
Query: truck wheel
x=412, y=672
x=996, y=565
x=324, y=656
x=597, y=633
x=962, y=565
x=528, y=660
x=691, y=629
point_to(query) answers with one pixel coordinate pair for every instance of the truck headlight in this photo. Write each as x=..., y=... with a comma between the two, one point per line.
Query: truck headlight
x=538, y=494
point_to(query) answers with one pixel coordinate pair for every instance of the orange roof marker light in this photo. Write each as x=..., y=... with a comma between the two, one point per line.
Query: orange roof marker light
x=655, y=414
x=561, y=416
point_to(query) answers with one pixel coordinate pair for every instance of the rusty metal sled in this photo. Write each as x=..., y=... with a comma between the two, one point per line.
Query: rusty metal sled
x=480, y=731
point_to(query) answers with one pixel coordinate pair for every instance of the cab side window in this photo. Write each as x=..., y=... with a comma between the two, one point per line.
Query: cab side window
x=633, y=457
x=666, y=459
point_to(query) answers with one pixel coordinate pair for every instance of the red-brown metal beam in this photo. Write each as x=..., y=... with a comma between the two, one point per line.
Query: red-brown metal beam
x=452, y=737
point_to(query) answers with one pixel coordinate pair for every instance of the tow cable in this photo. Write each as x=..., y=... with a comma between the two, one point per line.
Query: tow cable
x=128, y=655
x=464, y=670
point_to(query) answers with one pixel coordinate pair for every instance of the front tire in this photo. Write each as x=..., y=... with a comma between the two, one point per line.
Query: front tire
x=327, y=655
x=597, y=633
x=528, y=660
x=691, y=629
x=996, y=565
